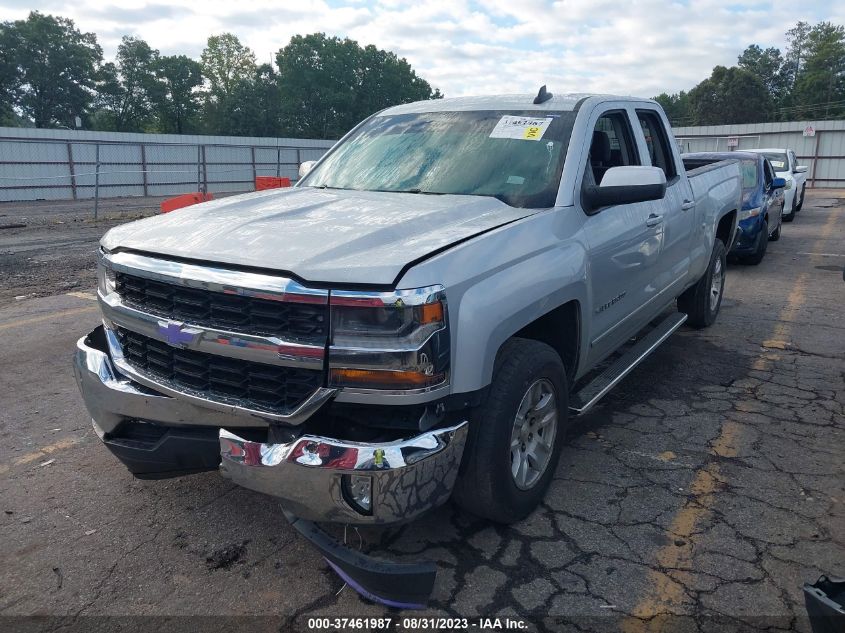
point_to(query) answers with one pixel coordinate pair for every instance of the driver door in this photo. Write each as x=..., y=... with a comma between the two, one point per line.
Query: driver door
x=624, y=242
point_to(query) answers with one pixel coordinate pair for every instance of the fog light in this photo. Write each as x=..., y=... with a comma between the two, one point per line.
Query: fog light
x=358, y=492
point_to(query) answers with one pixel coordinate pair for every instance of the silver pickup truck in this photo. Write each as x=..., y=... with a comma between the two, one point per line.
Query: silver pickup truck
x=419, y=317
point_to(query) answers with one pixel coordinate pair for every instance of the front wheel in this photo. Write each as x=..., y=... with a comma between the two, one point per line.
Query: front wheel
x=702, y=301
x=801, y=202
x=775, y=236
x=516, y=436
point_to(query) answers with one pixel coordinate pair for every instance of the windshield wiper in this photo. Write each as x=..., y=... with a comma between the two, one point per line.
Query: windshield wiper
x=411, y=190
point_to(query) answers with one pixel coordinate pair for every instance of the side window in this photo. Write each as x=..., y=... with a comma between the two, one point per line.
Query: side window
x=768, y=174
x=612, y=144
x=657, y=143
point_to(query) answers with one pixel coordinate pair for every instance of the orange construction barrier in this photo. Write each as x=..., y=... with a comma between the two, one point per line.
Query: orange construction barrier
x=185, y=200
x=270, y=182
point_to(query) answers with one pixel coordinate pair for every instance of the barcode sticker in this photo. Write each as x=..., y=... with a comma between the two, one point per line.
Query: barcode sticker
x=521, y=127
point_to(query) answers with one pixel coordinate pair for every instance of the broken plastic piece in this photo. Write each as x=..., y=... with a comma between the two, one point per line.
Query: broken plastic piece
x=397, y=585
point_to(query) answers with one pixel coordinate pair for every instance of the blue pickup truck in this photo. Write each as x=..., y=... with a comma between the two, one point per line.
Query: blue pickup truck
x=761, y=216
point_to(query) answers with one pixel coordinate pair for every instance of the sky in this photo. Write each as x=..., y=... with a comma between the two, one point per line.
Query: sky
x=471, y=47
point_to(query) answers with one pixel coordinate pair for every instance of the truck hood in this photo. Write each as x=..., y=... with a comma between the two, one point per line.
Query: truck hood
x=318, y=235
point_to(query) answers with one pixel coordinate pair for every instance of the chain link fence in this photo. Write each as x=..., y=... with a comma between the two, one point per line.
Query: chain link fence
x=53, y=169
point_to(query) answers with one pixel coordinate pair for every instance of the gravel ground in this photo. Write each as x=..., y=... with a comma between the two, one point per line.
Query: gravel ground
x=698, y=496
x=55, y=249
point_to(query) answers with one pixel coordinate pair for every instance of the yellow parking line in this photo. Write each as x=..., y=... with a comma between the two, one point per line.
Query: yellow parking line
x=663, y=594
x=28, y=458
x=47, y=317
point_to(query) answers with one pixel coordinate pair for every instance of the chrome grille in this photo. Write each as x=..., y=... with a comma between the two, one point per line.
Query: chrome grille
x=270, y=388
x=298, y=321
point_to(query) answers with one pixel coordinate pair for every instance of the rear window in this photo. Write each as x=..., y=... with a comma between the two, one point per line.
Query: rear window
x=779, y=161
x=749, y=174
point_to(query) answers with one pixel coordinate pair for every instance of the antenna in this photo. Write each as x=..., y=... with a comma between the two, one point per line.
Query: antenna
x=543, y=95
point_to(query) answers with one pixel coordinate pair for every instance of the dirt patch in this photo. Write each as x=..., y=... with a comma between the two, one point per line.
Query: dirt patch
x=226, y=556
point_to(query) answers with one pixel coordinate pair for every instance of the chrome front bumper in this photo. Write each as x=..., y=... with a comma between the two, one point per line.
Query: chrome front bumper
x=408, y=476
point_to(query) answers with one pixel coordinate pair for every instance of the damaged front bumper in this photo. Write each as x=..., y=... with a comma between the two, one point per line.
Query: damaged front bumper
x=312, y=475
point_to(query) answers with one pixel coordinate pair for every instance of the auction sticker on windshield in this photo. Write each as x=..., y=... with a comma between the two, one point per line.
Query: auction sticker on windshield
x=521, y=127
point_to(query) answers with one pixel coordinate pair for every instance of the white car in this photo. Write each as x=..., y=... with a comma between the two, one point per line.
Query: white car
x=786, y=166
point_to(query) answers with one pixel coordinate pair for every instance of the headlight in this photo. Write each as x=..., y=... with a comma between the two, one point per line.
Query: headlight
x=744, y=214
x=389, y=341
x=106, y=282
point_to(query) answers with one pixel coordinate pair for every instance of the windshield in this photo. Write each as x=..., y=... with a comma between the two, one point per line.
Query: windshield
x=516, y=157
x=779, y=161
x=749, y=174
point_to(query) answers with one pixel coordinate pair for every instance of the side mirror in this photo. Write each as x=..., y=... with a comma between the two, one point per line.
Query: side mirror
x=626, y=185
x=778, y=183
x=800, y=169
x=305, y=167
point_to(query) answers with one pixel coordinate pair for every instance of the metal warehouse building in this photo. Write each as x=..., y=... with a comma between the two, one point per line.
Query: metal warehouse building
x=818, y=144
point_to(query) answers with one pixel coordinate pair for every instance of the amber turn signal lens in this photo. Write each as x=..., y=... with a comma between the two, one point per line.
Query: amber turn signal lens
x=383, y=379
x=430, y=313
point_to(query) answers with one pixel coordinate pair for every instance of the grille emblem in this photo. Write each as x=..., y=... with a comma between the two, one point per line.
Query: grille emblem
x=176, y=334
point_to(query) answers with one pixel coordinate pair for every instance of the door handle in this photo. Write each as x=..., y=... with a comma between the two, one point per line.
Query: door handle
x=653, y=220
x=687, y=205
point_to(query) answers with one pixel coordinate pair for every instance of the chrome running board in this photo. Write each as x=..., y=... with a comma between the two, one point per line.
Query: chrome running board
x=583, y=400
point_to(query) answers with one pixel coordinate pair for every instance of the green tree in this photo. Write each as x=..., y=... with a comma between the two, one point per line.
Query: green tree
x=124, y=89
x=676, y=107
x=820, y=85
x=254, y=108
x=9, y=74
x=730, y=95
x=330, y=84
x=229, y=67
x=225, y=62
x=175, y=94
x=768, y=66
x=795, y=52
x=56, y=65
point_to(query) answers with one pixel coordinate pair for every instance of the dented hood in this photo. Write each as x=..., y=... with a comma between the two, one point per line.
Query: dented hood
x=319, y=235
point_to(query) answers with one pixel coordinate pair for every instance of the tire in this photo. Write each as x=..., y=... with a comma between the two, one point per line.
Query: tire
x=760, y=247
x=774, y=237
x=487, y=485
x=801, y=204
x=794, y=208
x=695, y=301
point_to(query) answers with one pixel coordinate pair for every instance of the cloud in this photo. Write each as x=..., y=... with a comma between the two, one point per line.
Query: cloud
x=479, y=46
x=139, y=14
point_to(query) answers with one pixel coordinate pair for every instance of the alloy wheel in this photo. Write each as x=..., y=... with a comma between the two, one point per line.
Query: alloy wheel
x=533, y=435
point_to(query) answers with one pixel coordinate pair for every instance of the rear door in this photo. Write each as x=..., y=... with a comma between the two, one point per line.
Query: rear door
x=624, y=247
x=675, y=212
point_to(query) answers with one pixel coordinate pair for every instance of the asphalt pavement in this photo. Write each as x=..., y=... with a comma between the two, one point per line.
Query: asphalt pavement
x=699, y=496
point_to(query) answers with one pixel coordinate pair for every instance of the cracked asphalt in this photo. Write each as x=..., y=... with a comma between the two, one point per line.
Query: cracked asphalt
x=698, y=496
